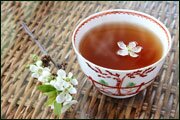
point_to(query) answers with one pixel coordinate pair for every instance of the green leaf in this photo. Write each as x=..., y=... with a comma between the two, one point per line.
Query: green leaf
x=51, y=97
x=130, y=84
x=46, y=88
x=103, y=82
x=51, y=93
x=50, y=101
x=57, y=108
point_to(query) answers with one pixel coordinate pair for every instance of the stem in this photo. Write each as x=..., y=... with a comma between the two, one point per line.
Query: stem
x=39, y=45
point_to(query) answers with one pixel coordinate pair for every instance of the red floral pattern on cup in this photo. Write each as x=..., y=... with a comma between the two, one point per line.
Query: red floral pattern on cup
x=119, y=80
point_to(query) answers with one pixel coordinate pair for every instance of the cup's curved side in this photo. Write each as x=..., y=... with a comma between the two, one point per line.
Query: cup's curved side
x=118, y=84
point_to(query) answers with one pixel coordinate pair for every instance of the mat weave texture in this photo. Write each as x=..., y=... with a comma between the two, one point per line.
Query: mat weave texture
x=53, y=24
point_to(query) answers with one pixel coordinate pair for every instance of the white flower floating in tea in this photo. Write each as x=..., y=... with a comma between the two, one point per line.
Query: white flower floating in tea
x=58, y=87
x=131, y=49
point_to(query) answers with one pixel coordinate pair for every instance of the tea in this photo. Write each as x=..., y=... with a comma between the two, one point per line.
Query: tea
x=100, y=46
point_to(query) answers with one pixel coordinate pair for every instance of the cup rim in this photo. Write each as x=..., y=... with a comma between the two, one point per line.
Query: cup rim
x=123, y=10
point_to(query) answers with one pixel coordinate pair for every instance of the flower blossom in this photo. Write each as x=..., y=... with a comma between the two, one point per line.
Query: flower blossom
x=131, y=49
x=63, y=82
x=42, y=74
x=62, y=74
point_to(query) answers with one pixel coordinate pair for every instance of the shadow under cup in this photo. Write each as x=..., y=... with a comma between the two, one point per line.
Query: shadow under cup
x=115, y=83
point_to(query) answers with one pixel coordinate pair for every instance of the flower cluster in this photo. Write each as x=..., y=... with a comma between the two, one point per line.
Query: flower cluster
x=59, y=87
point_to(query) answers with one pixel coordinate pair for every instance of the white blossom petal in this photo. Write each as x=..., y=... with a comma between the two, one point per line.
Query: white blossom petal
x=66, y=84
x=46, y=69
x=70, y=102
x=39, y=63
x=137, y=49
x=35, y=75
x=58, y=85
x=46, y=73
x=74, y=81
x=61, y=73
x=67, y=105
x=72, y=90
x=122, y=45
x=132, y=45
x=122, y=52
x=132, y=54
x=33, y=68
x=60, y=98
x=70, y=75
x=59, y=79
x=41, y=79
x=68, y=97
x=53, y=83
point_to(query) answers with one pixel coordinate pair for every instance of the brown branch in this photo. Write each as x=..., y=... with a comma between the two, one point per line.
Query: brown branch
x=39, y=45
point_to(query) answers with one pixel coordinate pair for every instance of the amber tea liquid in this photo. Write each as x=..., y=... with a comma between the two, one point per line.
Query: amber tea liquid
x=100, y=47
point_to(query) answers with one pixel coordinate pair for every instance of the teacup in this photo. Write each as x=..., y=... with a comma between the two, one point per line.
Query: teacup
x=121, y=83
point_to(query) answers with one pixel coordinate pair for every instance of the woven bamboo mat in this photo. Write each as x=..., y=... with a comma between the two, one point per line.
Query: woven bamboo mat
x=53, y=23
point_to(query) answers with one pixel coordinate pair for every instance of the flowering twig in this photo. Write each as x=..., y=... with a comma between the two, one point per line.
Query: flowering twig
x=58, y=87
x=39, y=45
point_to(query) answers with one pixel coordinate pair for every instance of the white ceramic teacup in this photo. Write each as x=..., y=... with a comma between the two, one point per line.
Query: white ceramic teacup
x=121, y=83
